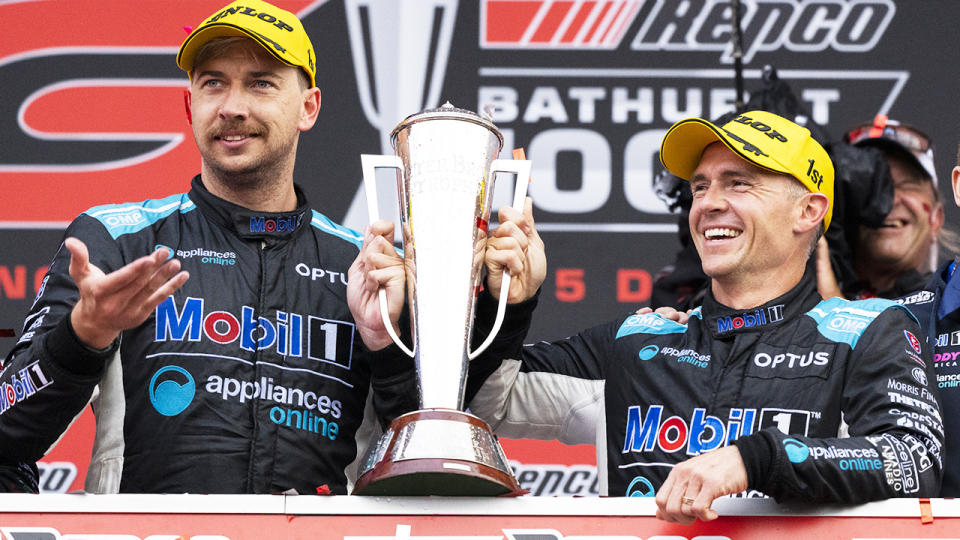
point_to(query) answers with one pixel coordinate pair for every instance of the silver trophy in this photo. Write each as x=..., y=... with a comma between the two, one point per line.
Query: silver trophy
x=446, y=162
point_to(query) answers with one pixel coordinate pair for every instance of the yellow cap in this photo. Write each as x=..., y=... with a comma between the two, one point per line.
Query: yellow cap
x=277, y=30
x=762, y=138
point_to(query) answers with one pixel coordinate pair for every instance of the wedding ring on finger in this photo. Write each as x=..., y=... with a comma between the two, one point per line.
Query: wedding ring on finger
x=687, y=500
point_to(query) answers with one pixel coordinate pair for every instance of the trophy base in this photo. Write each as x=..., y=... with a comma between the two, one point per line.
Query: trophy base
x=437, y=452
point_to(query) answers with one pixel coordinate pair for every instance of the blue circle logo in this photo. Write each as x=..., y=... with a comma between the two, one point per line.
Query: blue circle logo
x=168, y=248
x=640, y=487
x=797, y=452
x=170, y=397
x=649, y=352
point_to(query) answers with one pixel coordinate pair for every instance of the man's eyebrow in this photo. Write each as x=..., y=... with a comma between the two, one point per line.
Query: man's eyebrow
x=209, y=73
x=255, y=74
x=726, y=173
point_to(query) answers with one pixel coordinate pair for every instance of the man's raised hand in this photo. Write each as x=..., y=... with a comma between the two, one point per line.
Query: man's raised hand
x=123, y=299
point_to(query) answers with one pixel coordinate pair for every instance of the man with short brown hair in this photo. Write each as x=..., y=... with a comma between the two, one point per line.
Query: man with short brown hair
x=768, y=388
x=248, y=377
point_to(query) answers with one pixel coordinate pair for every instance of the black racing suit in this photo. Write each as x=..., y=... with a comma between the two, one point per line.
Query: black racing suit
x=937, y=307
x=250, y=379
x=826, y=400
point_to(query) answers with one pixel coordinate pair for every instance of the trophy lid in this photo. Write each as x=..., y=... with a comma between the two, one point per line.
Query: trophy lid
x=446, y=112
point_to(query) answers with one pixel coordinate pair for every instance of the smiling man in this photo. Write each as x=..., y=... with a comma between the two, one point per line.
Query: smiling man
x=898, y=256
x=768, y=388
x=208, y=329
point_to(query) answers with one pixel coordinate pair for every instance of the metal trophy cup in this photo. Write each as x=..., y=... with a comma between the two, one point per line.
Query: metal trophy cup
x=446, y=164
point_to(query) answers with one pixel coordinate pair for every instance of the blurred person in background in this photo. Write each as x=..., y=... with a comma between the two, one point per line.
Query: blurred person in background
x=937, y=307
x=899, y=254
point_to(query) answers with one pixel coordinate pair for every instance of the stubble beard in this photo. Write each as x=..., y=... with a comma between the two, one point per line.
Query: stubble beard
x=268, y=170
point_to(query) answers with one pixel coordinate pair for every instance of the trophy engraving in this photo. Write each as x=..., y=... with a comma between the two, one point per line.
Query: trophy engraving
x=446, y=162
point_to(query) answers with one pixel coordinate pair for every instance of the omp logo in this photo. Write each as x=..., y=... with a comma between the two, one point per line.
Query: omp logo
x=290, y=334
x=767, y=25
x=121, y=219
x=49, y=533
x=648, y=323
x=545, y=24
x=848, y=324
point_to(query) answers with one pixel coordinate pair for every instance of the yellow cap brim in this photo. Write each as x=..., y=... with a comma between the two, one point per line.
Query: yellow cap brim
x=684, y=144
x=196, y=40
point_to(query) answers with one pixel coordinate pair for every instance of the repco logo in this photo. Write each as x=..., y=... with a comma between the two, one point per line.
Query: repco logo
x=767, y=25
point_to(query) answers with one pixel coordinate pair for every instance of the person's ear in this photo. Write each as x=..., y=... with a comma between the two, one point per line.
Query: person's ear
x=187, y=101
x=311, y=108
x=955, y=177
x=814, y=209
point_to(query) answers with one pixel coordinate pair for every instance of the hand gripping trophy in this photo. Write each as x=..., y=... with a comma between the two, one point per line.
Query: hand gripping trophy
x=446, y=166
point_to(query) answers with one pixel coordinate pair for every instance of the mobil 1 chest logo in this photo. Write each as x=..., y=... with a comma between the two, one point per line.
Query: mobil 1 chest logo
x=769, y=362
x=293, y=335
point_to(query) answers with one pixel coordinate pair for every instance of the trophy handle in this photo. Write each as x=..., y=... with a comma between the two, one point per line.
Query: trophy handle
x=369, y=164
x=520, y=167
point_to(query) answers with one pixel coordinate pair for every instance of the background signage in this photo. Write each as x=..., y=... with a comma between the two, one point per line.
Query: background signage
x=93, y=113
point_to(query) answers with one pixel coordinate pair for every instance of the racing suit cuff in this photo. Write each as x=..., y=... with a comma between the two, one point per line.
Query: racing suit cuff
x=516, y=318
x=390, y=362
x=74, y=356
x=757, y=452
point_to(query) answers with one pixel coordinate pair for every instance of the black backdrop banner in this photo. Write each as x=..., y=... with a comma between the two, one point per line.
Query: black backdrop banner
x=92, y=110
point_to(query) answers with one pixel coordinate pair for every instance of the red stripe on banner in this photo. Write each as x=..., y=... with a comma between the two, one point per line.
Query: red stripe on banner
x=508, y=20
x=597, y=21
x=482, y=224
x=551, y=22
x=578, y=21
x=109, y=109
x=117, y=22
x=626, y=20
x=613, y=23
